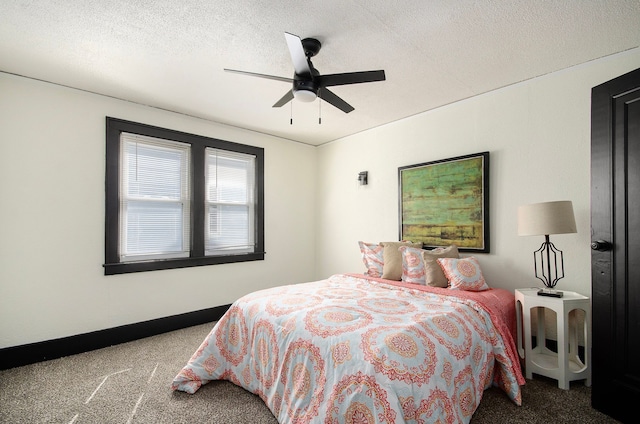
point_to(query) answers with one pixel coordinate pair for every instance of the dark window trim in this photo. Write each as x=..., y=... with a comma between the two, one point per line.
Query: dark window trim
x=198, y=143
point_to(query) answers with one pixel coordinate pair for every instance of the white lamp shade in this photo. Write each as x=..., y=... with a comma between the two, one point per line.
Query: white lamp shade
x=546, y=218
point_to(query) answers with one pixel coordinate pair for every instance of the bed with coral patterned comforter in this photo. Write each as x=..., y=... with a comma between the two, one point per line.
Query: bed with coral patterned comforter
x=359, y=349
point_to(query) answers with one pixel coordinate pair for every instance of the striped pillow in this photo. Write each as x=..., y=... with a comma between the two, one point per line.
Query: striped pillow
x=372, y=256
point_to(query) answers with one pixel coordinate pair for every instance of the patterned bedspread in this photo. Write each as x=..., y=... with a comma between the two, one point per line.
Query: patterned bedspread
x=360, y=349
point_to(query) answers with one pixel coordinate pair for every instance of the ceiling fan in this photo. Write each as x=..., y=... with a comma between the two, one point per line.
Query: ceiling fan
x=307, y=82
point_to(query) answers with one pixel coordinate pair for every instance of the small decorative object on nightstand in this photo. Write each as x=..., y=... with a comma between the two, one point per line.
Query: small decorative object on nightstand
x=544, y=219
x=565, y=365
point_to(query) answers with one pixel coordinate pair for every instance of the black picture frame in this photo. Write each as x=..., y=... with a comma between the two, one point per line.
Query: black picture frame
x=446, y=202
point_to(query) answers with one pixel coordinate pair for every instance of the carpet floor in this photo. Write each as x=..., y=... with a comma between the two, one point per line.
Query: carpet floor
x=130, y=383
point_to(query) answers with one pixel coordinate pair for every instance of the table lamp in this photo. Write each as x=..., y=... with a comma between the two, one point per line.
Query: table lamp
x=545, y=219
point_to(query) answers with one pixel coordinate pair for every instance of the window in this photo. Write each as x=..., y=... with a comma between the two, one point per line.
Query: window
x=177, y=200
x=154, y=198
x=229, y=202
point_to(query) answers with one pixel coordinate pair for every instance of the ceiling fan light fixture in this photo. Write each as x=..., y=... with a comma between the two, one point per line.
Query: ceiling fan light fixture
x=306, y=96
x=307, y=81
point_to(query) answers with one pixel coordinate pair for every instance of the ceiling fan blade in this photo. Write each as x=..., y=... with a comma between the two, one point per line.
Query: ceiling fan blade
x=330, y=97
x=298, y=57
x=253, y=74
x=285, y=99
x=350, y=78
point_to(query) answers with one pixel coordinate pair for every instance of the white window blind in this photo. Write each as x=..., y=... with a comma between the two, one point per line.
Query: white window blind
x=154, y=198
x=230, y=202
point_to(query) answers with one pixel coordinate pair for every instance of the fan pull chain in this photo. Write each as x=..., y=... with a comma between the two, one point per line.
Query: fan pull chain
x=291, y=117
x=319, y=107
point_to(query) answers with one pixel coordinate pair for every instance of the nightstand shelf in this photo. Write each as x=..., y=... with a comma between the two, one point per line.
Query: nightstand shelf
x=565, y=365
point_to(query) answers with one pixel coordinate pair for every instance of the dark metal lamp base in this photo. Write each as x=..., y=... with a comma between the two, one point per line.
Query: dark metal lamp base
x=549, y=292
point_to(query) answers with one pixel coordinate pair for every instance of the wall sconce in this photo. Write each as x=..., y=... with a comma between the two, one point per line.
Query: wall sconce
x=363, y=177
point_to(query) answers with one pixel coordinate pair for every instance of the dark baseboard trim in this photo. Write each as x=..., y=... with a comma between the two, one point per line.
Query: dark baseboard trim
x=18, y=356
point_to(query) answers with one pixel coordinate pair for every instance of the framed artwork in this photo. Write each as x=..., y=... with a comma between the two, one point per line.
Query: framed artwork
x=446, y=202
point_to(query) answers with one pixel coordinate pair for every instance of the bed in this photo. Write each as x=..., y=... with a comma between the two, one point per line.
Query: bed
x=356, y=348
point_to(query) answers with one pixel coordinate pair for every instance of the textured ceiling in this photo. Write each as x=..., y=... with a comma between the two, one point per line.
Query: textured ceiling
x=171, y=54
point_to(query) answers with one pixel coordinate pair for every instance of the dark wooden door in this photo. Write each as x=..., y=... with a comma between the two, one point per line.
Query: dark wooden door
x=615, y=232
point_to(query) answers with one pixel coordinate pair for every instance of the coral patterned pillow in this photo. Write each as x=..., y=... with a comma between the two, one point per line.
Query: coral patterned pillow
x=372, y=256
x=463, y=274
x=412, y=265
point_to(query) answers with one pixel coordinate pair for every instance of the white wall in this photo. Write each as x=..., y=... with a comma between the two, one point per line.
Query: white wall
x=52, y=173
x=538, y=134
x=52, y=161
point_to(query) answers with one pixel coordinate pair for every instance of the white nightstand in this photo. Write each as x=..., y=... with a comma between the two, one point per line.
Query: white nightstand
x=565, y=366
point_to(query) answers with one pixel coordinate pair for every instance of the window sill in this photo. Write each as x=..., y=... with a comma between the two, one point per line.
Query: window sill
x=156, y=265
